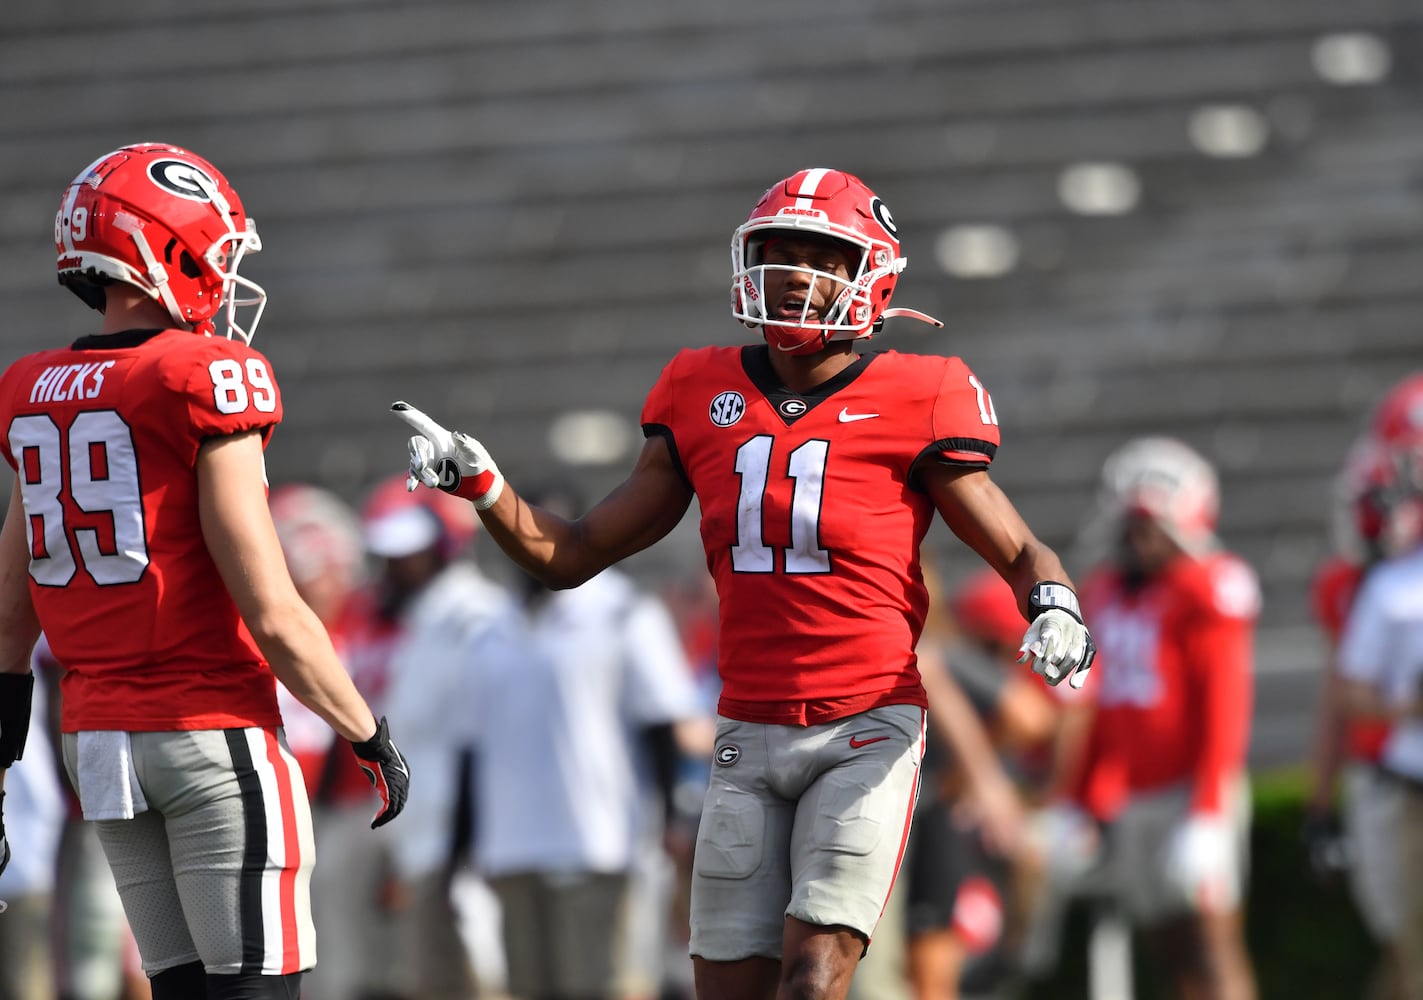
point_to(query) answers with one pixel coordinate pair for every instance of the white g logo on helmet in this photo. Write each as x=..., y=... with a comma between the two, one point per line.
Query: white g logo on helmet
x=182, y=179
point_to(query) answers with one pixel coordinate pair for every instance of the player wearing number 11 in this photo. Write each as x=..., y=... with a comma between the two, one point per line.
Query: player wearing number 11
x=818, y=471
x=138, y=538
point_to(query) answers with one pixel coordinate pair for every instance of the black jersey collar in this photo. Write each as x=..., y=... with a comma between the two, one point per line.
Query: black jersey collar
x=121, y=339
x=791, y=406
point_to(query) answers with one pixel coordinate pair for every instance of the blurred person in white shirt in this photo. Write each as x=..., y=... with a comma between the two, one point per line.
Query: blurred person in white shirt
x=1380, y=655
x=574, y=692
x=34, y=817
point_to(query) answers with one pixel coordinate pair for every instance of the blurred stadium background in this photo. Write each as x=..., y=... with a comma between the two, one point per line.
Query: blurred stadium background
x=1195, y=218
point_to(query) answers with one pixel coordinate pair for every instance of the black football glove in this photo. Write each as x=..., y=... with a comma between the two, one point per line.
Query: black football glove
x=381, y=760
x=4, y=844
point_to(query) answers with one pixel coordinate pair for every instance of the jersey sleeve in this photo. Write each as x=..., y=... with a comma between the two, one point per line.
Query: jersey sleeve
x=659, y=409
x=228, y=388
x=7, y=408
x=1331, y=591
x=1220, y=649
x=964, y=423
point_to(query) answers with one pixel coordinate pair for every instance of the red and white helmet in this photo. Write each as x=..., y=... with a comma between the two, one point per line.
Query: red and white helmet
x=166, y=221
x=1398, y=419
x=1168, y=481
x=318, y=531
x=1379, y=493
x=828, y=203
x=398, y=522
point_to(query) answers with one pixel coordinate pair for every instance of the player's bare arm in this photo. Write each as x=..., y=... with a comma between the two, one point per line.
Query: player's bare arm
x=983, y=517
x=562, y=553
x=239, y=534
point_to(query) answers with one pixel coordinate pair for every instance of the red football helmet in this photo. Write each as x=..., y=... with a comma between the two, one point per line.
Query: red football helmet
x=828, y=203
x=165, y=221
x=1169, y=482
x=1398, y=418
x=318, y=531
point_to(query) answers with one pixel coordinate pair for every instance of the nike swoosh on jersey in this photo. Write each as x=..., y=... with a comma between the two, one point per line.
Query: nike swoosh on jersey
x=847, y=417
x=856, y=743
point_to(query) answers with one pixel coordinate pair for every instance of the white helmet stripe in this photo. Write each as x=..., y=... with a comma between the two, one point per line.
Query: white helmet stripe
x=66, y=231
x=808, y=184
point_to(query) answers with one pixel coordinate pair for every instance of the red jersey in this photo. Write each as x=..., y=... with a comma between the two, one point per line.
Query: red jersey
x=1173, y=680
x=104, y=439
x=812, y=517
x=1331, y=595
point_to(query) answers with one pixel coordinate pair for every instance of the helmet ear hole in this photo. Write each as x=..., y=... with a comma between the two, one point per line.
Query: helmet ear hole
x=188, y=266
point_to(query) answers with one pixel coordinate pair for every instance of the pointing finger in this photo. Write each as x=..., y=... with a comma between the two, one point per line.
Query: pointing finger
x=421, y=422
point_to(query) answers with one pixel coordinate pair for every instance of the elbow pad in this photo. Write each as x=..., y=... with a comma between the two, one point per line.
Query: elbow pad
x=16, y=693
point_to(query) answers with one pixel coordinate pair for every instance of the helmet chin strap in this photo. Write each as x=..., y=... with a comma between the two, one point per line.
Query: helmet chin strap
x=157, y=276
x=911, y=314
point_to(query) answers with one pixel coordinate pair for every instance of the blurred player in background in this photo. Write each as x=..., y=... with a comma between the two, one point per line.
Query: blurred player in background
x=961, y=868
x=138, y=537
x=383, y=903
x=321, y=542
x=1380, y=657
x=27, y=885
x=1165, y=759
x=1348, y=745
x=95, y=957
x=818, y=472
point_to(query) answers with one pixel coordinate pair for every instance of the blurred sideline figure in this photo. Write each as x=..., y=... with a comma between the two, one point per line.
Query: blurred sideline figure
x=691, y=600
x=388, y=903
x=1348, y=746
x=1381, y=651
x=95, y=957
x=818, y=472
x=321, y=542
x=1165, y=758
x=578, y=697
x=27, y=886
x=993, y=728
x=138, y=538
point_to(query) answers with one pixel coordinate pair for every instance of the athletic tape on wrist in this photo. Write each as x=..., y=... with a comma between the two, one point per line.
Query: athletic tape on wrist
x=1046, y=594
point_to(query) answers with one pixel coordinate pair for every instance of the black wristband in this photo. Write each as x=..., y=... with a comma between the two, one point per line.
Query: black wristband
x=16, y=693
x=1046, y=594
x=373, y=748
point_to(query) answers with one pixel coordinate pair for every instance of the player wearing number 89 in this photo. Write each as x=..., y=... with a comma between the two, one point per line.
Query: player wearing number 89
x=138, y=537
x=818, y=471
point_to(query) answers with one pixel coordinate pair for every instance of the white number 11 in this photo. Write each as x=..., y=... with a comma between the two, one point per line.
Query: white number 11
x=751, y=554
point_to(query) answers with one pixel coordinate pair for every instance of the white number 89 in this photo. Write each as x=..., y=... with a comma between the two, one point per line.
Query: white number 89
x=229, y=389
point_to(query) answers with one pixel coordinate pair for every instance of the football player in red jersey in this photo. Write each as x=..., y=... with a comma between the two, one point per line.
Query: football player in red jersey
x=1165, y=757
x=818, y=471
x=138, y=536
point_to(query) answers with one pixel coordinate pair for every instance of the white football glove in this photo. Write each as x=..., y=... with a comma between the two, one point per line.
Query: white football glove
x=1067, y=842
x=449, y=461
x=1057, y=641
x=1201, y=863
